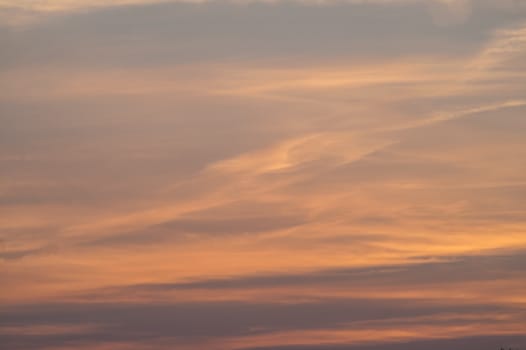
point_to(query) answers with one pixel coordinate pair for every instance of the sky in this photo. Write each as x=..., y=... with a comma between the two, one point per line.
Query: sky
x=262, y=174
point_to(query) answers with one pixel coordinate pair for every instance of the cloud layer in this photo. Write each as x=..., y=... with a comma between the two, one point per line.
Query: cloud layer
x=263, y=175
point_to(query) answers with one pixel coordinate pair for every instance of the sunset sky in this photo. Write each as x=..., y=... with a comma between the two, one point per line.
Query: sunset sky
x=262, y=174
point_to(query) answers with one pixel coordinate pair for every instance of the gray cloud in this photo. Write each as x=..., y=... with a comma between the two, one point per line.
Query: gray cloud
x=194, y=322
x=174, y=33
x=451, y=270
x=183, y=229
x=467, y=343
